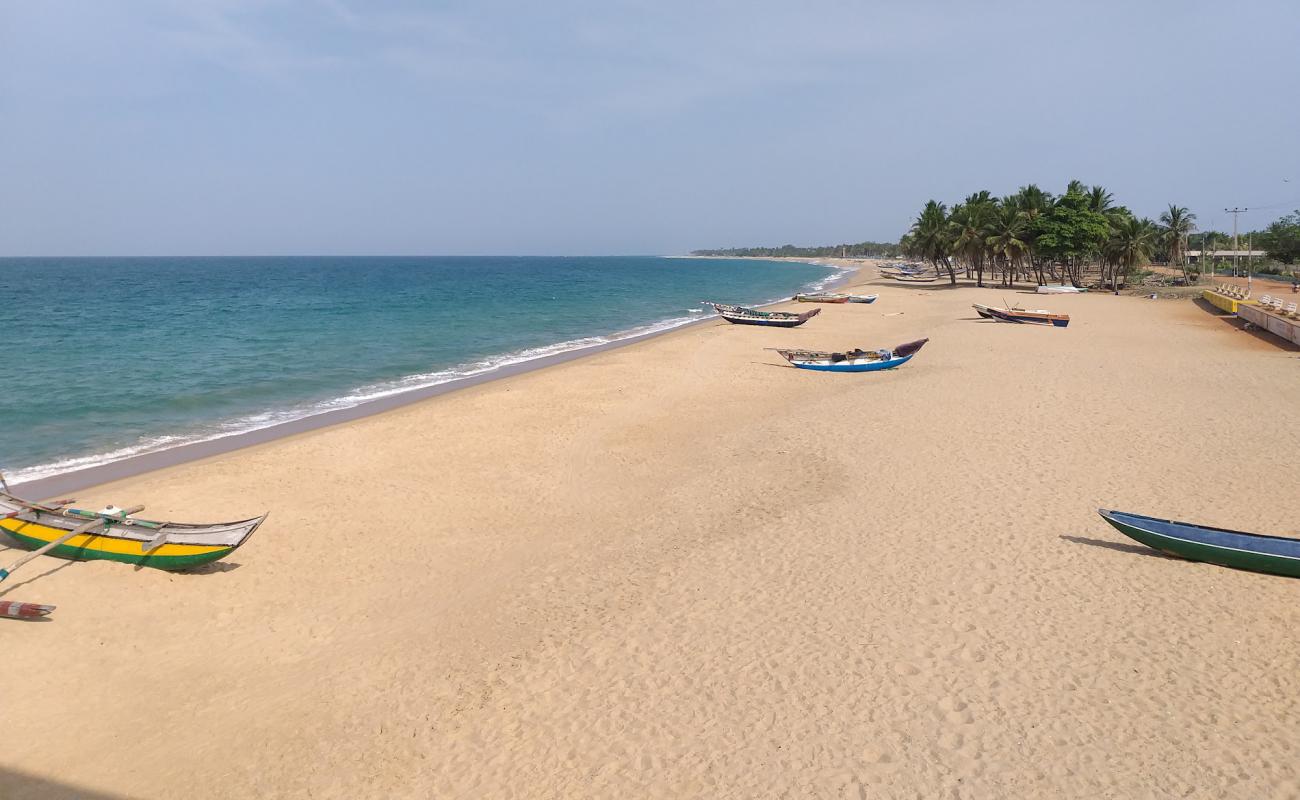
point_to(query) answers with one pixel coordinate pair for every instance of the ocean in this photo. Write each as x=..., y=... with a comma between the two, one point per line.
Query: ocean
x=107, y=358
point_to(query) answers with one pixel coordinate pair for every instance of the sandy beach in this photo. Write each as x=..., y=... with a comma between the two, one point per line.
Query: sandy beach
x=683, y=569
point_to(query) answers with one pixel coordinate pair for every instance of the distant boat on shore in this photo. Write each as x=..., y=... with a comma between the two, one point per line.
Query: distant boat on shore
x=863, y=298
x=739, y=315
x=1060, y=289
x=913, y=278
x=1022, y=316
x=1275, y=555
x=821, y=297
x=853, y=360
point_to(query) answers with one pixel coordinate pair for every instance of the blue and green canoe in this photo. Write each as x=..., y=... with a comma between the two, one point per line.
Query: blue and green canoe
x=1275, y=555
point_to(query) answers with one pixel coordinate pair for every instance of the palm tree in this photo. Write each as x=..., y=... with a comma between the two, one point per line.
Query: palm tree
x=929, y=237
x=969, y=223
x=1176, y=225
x=1006, y=238
x=1131, y=244
x=1099, y=199
x=1033, y=202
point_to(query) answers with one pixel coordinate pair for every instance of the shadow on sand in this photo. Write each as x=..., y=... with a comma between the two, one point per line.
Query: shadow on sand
x=1246, y=327
x=20, y=786
x=1121, y=547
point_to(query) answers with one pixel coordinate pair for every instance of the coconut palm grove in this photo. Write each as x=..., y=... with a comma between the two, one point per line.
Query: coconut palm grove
x=1034, y=235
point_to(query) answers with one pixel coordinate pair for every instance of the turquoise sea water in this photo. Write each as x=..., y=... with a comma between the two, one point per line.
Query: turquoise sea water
x=110, y=357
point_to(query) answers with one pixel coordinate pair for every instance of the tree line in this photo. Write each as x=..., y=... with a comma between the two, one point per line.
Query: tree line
x=1039, y=235
x=859, y=250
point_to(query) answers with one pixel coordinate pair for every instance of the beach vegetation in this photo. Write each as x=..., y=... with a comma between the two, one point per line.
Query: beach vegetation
x=1053, y=238
x=858, y=250
x=1176, y=225
x=1281, y=239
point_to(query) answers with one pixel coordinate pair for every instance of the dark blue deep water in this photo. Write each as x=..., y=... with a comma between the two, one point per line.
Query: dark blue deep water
x=109, y=357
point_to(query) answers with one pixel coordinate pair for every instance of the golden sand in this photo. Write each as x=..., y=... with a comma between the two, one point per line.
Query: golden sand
x=683, y=569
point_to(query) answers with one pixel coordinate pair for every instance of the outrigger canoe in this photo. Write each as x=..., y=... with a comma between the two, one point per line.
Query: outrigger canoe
x=1275, y=555
x=853, y=360
x=163, y=545
x=863, y=298
x=739, y=315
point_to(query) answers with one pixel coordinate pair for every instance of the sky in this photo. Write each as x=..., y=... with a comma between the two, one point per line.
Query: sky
x=314, y=127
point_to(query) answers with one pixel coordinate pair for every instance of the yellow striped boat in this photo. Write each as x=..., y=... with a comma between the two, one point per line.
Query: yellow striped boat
x=164, y=545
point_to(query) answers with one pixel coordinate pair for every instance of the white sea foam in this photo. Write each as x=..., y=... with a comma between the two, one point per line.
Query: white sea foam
x=359, y=396
x=371, y=392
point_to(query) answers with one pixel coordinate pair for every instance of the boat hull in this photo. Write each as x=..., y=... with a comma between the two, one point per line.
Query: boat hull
x=767, y=323
x=1273, y=555
x=812, y=298
x=862, y=298
x=93, y=546
x=1023, y=318
x=871, y=366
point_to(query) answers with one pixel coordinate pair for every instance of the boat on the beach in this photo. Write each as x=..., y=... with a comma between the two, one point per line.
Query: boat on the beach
x=115, y=535
x=853, y=360
x=822, y=297
x=913, y=278
x=1060, y=289
x=1275, y=555
x=740, y=315
x=1022, y=316
x=863, y=298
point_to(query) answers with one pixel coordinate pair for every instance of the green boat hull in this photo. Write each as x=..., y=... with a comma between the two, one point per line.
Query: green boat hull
x=1225, y=556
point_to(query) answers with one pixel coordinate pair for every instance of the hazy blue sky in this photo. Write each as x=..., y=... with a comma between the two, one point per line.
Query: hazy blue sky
x=327, y=126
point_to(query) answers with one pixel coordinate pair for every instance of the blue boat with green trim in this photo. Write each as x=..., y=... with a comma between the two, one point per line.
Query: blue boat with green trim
x=1275, y=555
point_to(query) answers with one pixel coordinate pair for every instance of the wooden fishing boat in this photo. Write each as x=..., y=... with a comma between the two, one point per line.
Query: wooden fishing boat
x=822, y=297
x=1023, y=316
x=1275, y=555
x=739, y=315
x=918, y=278
x=118, y=536
x=863, y=298
x=1060, y=289
x=853, y=360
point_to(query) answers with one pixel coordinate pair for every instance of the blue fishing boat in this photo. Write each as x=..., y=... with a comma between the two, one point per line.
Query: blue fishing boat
x=853, y=360
x=1275, y=555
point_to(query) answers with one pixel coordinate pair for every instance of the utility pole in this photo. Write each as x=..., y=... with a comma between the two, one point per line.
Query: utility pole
x=1235, y=245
